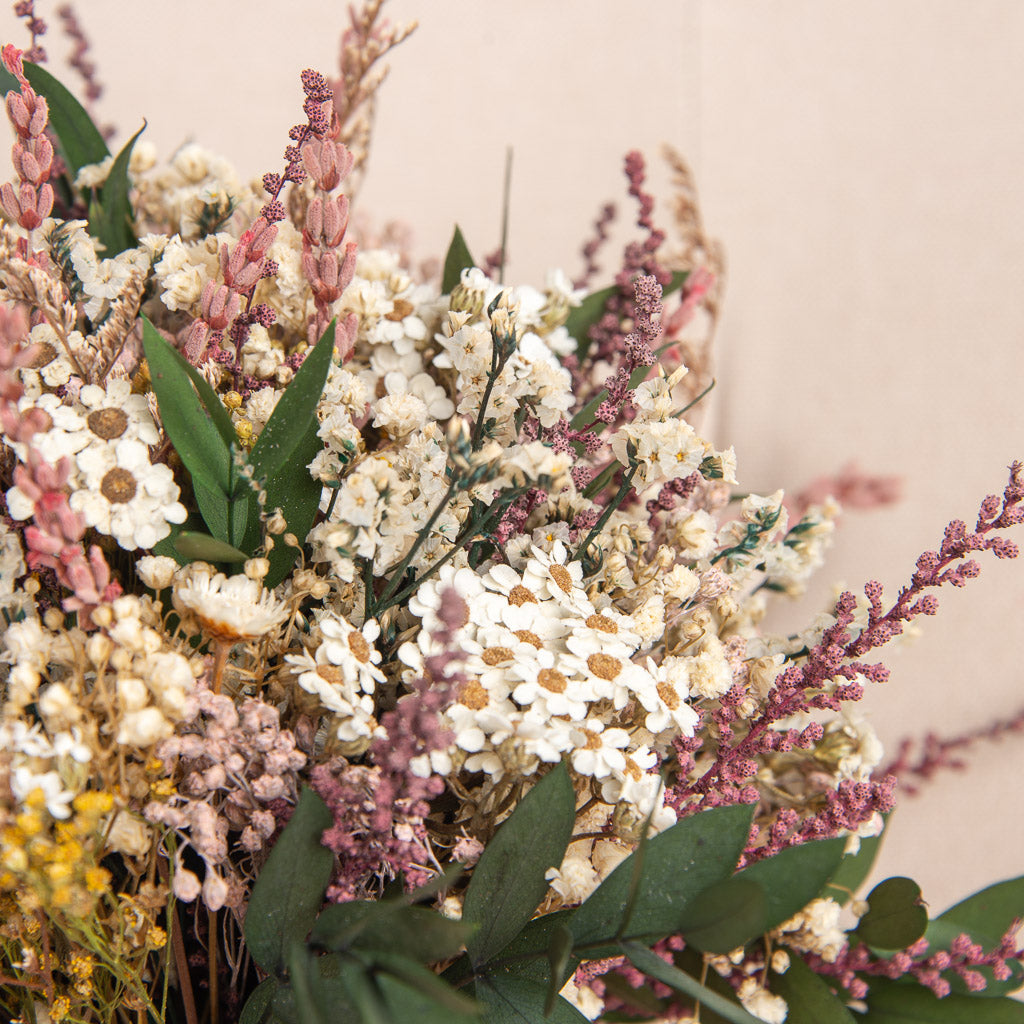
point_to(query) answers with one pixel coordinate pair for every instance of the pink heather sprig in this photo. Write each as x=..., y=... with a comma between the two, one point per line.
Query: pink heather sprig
x=32, y=154
x=328, y=162
x=851, y=487
x=593, y=245
x=964, y=957
x=831, y=671
x=246, y=263
x=26, y=9
x=939, y=753
x=79, y=58
x=54, y=538
x=379, y=810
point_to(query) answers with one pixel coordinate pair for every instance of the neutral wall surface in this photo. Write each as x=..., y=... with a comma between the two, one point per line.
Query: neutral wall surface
x=861, y=162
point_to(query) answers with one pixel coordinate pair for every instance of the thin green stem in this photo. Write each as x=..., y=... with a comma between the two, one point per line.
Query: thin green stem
x=612, y=505
x=396, y=577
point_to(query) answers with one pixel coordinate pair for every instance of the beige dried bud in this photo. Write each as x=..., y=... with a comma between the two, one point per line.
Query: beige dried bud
x=257, y=568
x=277, y=523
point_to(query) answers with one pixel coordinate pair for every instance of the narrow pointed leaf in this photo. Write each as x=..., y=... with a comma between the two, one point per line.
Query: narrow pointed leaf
x=289, y=891
x=456, y=260
x=368, y=1000
x=294, y=413
x=110, y=218
x=808, y=996
x=914, y=1004
x=427, y=984
x=201, y=547
x=652, y=964
x=257, y=1006
x=78, y=140
x=215, y=509
x=187, y=422
x=854, y=868
x=680, y=863
x=559, y=955
x=511, y=1000
x=508, y=881
x=724, y=917
x=302, y=974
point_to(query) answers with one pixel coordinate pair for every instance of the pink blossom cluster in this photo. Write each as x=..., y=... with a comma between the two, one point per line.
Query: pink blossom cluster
x=239, y=767
x=593, y=973
x=964, y=958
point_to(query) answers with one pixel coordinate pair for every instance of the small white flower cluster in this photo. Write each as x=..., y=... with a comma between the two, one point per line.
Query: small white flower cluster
x=550, y=673
x=41, y=764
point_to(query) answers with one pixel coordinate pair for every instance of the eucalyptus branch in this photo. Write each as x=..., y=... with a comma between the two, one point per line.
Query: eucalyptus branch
x=620, y=496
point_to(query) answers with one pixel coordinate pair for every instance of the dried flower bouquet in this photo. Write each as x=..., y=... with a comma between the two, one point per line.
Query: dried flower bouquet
x=384, y=647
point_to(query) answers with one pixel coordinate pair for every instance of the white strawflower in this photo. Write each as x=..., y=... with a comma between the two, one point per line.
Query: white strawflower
x=229, y=608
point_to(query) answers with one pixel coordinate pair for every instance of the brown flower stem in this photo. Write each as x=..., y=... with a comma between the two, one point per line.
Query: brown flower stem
x=211, y=941
x=220, y=658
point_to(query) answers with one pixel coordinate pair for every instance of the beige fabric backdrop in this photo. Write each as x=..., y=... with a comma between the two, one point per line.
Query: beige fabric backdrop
x=862, y=164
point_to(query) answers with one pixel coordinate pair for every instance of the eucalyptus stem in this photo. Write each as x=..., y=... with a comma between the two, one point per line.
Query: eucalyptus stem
x=396, y=577
x=612, y=505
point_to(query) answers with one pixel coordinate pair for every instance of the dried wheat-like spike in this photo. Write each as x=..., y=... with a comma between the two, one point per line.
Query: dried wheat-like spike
x=108, y=342
x=367, y=39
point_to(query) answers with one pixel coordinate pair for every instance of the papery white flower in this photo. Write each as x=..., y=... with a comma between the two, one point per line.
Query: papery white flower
x=399, y=414
x=129, y=835
x=662, y=451
x=598, y=750
x=761, y=1003
x=229, y=608
x=156, y=571
x=575, y=880
x=57, y=799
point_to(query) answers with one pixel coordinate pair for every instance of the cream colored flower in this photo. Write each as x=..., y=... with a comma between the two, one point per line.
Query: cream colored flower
x=229, y=608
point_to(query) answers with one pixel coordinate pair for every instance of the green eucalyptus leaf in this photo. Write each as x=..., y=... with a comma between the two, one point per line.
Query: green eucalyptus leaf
x=367, y=997
x=426, y=984
x=456, y=260
x=985, y=916
x=215, y=508
x=188, y=422
x=293, y=415
x=79, y=141
x=257, y=1006
x=896, y=917
x=297, y=495
x=651, y=964
x=245, y=521
x=511, y=1000
x=725, y=916
x=290, y=889
x=418, y=933
x=808, y=996
x=854, y=868
x=914, y=1004
x=679, y=864
x=201, y=547
x=303, y=976
x=582, y=317
x=111, y=216
x=508, y=881
x=793, y=877
x=559, y=957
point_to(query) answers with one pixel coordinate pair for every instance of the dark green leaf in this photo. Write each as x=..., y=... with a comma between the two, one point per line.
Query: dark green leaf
x=725, y=916
x=201, y=547
x=110, y=219
x=652, y=964
x=456, y=260
x=188, y=423
x=680, y=863
x=794, y=877
x=293, y=415
x=303, y=976
x=290, y=889
x=526, y=956
x=985, y=917
x=426, y=983
x=257, y=1006
x=591, y=309
x=416, y=932
x=510, y=1000
x=215, y=508
x=854, y=868
x=244, y=511
x=508, y=881
x=297, y=495
x=78, y=139
x=408, y=1005
x=559, y=957
x=808, y=996
x=896, y=917
x=912, y=1004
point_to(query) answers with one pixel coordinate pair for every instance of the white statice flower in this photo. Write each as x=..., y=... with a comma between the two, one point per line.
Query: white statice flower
x=260, y=356
x=680, y=583
x=662, y=450
x=101, y=280
x=126, y=496
x=260, y=405
x=229, y=608
x=694, y=534
x=12, y=562
x=422, y=386
x=816, y=929
x=94, y=175
x=574, y=880
x=181, y=275
x=708, y=672
x=764, y=1005
x=653, y=397
x=399, y=413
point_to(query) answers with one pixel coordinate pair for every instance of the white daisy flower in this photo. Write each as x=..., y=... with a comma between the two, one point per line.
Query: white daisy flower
x=229, y=608
x=598, y=749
